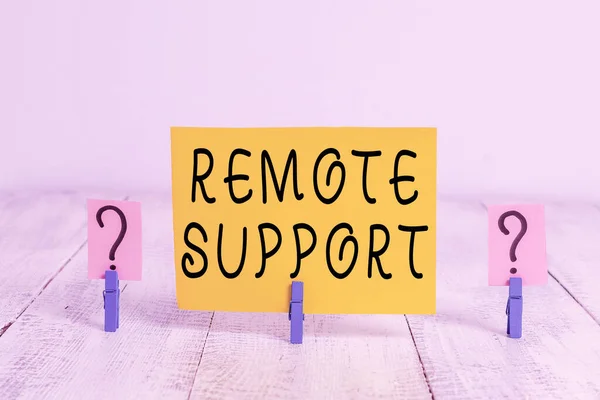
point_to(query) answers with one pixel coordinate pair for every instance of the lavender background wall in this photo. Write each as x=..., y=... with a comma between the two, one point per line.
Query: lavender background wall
x=89, y=89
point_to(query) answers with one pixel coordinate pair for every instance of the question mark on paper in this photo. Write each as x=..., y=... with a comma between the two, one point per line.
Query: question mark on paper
x=117, y=242
x=515, y=243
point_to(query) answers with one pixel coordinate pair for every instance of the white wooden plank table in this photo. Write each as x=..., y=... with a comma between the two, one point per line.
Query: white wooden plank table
x=53, y=345
x=39, y=233
x=575, y=234
x=58, y=347
x=464, y=348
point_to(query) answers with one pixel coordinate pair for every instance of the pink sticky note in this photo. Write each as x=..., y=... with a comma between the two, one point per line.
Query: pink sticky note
x=528, y=260
x=117, y=217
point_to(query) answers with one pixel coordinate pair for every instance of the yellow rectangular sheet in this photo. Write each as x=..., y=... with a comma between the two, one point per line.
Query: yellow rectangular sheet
x=351, y=212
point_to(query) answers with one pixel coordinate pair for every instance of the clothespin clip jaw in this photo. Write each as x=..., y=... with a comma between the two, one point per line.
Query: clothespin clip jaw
x=296, y=312
x=111, y=295
x=514, y=308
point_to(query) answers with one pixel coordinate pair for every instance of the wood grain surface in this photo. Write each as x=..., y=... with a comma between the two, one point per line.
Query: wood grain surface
x=52, y=343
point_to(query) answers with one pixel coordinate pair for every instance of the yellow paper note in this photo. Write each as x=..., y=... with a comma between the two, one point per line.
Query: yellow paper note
x=351, y=212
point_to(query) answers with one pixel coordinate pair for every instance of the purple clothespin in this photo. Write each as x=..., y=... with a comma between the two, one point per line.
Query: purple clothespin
x=111, y=301
x=514, y=308
x=296, y=314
